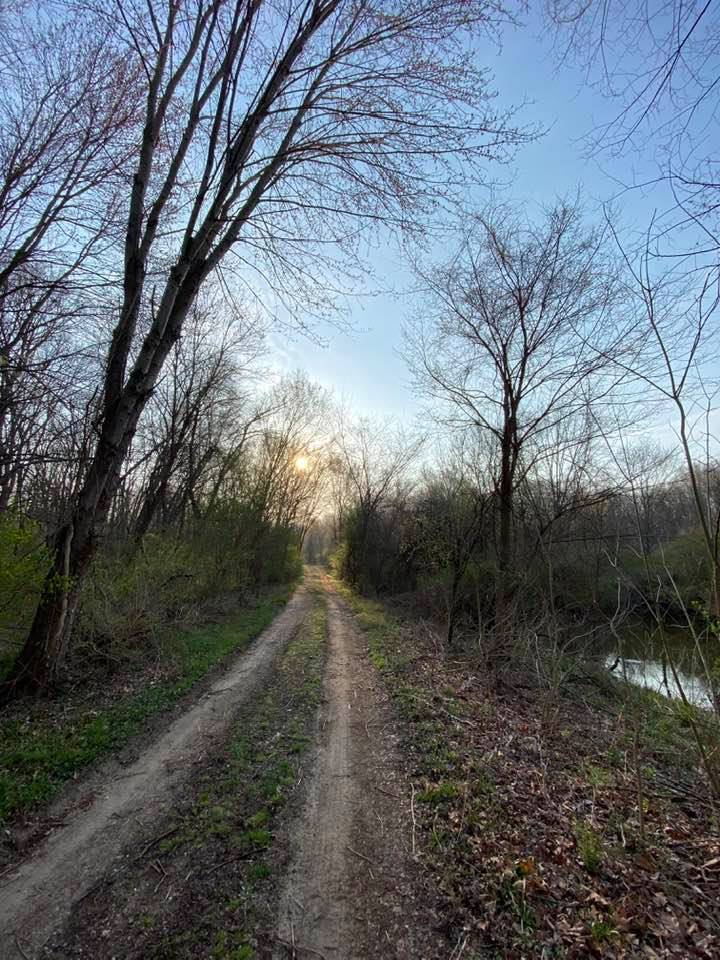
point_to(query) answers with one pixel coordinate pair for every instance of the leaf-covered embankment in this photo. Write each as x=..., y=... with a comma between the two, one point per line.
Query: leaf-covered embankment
x=551, y=832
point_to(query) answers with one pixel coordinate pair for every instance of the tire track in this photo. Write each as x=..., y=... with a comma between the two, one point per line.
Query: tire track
x=42, y=891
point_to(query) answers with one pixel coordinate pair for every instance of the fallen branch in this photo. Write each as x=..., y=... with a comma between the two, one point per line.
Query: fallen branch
x=225, y=863
x=387, y=793
x=298, y=946
x=162, y=879
x=358, y=854
x=20, y=949
x=412, y=814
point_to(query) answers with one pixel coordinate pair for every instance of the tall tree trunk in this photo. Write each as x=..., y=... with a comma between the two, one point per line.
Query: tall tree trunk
x=452, y=608
x=37, y=666
x=75, y=545
x=156, y=493
x=503, y=583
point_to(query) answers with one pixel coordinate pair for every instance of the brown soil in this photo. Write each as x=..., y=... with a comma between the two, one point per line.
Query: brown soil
x=354, y=889
x=344, y=881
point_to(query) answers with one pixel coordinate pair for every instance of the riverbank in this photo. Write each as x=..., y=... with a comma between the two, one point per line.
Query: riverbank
x=566, y=826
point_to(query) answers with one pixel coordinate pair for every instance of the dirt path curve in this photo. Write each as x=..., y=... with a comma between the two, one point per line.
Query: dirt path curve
x=42, y=892
x=354, y=890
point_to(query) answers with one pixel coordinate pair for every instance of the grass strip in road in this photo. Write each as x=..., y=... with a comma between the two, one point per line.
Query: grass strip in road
x=45, y=743
x=207, y=887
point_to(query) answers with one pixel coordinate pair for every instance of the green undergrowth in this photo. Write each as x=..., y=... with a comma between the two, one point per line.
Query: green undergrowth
x=41, y=748
x=232, y=820
x=388, y=652
x=667, y=725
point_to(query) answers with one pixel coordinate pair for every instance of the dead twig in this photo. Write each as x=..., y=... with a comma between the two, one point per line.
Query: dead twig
x=459, y=948
x=358, y=854
x=469, y=723
x=20, y=949
x=387, y=793
x=152, y=843
x=299, y=946
x=412, y=814
x=225, y=863
x=160, y=882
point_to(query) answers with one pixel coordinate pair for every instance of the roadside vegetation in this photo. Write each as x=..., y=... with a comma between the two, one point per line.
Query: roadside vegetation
x=42, y=745
x=225, y=521
x=192, y=566
x=550, y=829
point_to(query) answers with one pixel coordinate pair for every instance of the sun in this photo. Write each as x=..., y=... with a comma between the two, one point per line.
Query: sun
x=302, y=463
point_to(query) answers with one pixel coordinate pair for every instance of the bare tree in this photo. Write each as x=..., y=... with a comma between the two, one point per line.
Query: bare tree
x=679, y=316
x=278, y=481
x=451, y=521
x=516, y=342
x=185, y=423
x=266, y=129
x=373, y=456
x=660, y=64
x=67, y=112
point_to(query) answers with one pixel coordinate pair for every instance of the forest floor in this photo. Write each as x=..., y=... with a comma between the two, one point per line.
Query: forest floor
x=342, y=792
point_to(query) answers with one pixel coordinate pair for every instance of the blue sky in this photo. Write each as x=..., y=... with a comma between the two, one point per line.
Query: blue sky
x=363, y=365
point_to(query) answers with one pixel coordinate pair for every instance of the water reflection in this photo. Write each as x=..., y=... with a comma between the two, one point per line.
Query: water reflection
x=643, y=651
x=650, y=674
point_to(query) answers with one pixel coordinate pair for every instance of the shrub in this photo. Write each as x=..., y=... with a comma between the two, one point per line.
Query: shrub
x=130, y=594
x=589, y=846
x=24, y=562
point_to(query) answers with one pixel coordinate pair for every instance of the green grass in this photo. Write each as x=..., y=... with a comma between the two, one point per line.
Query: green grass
x=589, y=846
x=602, y=932
x=38, y=753
x=381, y=629
x=445, y=790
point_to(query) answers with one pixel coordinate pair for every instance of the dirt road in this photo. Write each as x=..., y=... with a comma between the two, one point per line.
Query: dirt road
x=38, y=897
x=353, y=888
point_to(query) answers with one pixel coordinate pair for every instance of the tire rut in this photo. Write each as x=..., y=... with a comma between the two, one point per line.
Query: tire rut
x=354, y=889
x=43, y=890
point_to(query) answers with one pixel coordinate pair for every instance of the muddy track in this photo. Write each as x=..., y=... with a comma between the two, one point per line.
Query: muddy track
x=40, y=894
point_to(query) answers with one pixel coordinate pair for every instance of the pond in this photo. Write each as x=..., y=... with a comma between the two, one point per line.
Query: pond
x=643, y=663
